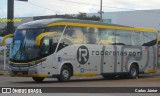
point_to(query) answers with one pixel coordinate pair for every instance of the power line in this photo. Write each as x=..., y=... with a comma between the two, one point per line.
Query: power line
x=89, y=4
x=41, y=7
x=33, y=4
x=95, y=5
x=109, y=6
x=58, y=6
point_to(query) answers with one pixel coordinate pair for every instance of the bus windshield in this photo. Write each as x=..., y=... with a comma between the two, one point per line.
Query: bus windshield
x=23, y=47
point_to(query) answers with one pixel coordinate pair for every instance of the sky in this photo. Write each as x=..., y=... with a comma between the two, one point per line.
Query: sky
x=52, y=7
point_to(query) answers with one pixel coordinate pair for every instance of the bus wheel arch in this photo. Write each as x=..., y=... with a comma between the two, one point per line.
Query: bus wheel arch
x=133, y=70
x=66, y=72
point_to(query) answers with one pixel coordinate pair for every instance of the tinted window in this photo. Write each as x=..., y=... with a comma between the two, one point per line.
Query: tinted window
x=137, y=38
x=107, y=36
x=91, y=36
x=123, y=37
x=80, y=35
x=73, y=35
x=149, y=39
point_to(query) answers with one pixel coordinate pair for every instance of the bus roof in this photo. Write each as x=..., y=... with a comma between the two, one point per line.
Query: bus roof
x=60, y=21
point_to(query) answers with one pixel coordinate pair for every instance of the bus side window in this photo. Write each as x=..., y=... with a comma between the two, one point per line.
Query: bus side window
x=137, y=38
x=91, y=36
x=123, y=37
x=78, y=35
x=149, y=39
x=107, y=36
x=73, y=35
x=67, y=38
x=45, y=46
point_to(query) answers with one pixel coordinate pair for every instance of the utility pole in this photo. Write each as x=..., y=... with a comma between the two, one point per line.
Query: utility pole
x=10, y=16
x=101, y=12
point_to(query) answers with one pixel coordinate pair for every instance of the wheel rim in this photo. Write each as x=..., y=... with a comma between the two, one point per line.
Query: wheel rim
x=65, y=73
x=133, y=72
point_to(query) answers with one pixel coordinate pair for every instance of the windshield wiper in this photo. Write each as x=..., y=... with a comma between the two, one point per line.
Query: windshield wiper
x=20, y=51
x=23, y=51
x=17, y=52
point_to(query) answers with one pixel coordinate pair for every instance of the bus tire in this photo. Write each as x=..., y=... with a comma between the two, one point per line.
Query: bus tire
x=133, y=72
x=65, y=74
x=38, y=79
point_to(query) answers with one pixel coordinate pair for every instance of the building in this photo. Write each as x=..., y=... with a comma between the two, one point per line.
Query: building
x=140, y=18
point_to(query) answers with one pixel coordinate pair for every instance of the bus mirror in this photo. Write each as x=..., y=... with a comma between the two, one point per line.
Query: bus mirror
x=6, y=37
x=40, y=37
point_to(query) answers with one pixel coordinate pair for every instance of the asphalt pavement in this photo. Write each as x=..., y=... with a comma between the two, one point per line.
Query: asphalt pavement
x=2, y=71
x=1, y=62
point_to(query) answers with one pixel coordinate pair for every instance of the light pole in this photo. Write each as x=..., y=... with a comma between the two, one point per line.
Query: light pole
x=101, y=12
x=10, y=15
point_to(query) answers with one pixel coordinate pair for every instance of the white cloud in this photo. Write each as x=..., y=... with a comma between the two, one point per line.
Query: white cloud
x=52, y=7
x=3, y=13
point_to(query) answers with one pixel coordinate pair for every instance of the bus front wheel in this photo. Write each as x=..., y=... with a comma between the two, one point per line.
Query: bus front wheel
x=38, y=79
x=65, y=74
x=133, y=72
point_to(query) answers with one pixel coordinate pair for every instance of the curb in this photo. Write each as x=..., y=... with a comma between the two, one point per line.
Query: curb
x=3, y=72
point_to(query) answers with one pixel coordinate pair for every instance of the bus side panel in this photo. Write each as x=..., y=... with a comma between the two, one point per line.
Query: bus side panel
x=88, y=59
x=85, y=59
x=48, y=66
x=126, y=55
x=149, y=60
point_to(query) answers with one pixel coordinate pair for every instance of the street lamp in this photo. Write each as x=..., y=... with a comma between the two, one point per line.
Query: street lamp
x=101, y=12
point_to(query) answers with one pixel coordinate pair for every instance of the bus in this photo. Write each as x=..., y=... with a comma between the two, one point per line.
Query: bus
x=158, y=66
x=62, y=48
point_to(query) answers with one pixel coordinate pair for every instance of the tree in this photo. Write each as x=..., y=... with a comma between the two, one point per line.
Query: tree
x=4, y=32
x=81, y=15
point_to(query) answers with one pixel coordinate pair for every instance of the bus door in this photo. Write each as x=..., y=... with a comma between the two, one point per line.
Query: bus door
x=47, y=50
x=119, y=58
x=107, y=64
x=107, y=39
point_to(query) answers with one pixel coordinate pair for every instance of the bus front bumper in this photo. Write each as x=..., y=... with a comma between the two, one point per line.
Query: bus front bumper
x=25, y=71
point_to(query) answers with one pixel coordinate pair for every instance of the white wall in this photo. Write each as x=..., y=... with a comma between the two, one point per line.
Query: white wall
x=143, y=18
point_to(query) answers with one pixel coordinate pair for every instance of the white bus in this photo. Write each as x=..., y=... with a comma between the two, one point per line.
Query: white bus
x=61, y=48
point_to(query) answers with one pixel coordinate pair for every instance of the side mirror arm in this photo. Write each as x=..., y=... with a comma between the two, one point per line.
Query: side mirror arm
x=5, y=37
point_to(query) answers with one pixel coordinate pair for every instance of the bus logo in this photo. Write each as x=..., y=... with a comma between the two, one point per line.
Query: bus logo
x=82, y=54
